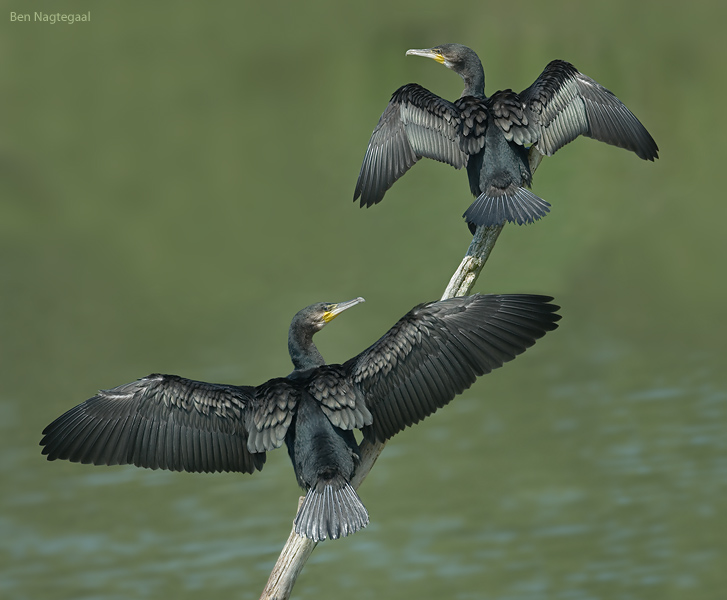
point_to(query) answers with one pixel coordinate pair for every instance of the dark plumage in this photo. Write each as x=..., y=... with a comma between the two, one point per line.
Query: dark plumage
x=491, y=135
x=433, y=353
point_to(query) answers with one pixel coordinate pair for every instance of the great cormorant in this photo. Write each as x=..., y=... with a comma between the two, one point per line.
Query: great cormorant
x=491, y=135
x=434, y=352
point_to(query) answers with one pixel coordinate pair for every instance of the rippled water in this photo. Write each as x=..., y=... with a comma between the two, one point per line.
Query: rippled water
x=150, y=223
x=576, y=488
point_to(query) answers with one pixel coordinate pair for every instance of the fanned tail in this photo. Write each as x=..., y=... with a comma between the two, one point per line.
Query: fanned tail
x=519, y=206
x=331, y=510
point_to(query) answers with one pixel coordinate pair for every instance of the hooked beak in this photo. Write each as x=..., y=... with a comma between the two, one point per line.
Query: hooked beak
x=426, y=53
x=337, y=309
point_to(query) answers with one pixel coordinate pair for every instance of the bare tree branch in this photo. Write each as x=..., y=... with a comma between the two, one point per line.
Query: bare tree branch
x=297, y=549
x=466, y=275
x=290, y=563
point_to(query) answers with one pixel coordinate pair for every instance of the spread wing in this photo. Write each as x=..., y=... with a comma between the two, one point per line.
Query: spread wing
x=438, y=350
x=415, y=124
x=158, y=422
x=565, y=103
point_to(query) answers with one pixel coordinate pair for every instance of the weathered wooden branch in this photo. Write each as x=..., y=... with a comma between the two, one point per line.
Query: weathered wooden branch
x=290, y=563
x=297, y=549
x=466, y=275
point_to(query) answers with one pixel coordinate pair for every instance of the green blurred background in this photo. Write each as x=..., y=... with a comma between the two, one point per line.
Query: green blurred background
x=176, y=182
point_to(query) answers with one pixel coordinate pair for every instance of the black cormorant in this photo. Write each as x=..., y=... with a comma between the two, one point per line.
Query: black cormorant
x=491, y=135
x=433, y=353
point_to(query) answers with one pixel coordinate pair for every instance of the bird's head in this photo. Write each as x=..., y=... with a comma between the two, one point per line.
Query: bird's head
x=306, y=323
x=316, y=316
x=461, y=59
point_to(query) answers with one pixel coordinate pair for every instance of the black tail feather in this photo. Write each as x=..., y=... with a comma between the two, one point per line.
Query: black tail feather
x=520, y=206
x=331, y=510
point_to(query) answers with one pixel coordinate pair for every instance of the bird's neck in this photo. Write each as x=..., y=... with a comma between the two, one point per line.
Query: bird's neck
x=474, y=82
x=303, y=351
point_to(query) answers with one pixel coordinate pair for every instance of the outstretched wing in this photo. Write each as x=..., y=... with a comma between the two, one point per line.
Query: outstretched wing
x=158, y=422
x=438, y=350
x=566, y=103
x=415, y=124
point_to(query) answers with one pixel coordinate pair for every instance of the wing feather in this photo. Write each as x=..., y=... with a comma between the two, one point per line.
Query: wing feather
x=158, y=422
x=415, y=124
x=271, y=414
x=438, y=350
x=510, y=114
x=565, y=103
x=340, y=400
